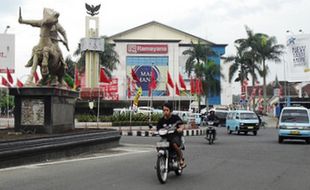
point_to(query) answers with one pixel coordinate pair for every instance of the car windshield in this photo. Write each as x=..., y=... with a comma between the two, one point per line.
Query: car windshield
x=248, y=116
x=295, y=116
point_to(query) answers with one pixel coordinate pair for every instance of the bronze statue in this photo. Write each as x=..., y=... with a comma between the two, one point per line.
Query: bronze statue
x=47, y=53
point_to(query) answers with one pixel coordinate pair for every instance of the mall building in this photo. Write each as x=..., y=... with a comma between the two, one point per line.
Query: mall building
x=158, y=46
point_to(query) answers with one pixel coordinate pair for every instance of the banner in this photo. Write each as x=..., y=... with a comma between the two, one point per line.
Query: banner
x=142, y=66
x=7, y=53
x=297, y=57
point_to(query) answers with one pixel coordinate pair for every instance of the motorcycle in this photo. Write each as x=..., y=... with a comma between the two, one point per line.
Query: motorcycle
x=210, y=132
x=167, y=159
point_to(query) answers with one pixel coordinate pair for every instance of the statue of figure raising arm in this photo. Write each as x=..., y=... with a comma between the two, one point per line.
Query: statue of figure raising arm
x=47, y=53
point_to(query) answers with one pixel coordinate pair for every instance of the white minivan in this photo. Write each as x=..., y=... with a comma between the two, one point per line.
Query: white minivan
x=294, y=123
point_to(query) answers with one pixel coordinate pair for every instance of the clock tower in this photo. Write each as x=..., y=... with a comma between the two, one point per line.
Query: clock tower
x=92, y=44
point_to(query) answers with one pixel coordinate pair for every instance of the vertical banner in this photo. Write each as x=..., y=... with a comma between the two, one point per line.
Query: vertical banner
x=297, y=57
x=7, y=53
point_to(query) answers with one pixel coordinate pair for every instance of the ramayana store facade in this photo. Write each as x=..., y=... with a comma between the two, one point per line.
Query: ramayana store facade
x=158, y=46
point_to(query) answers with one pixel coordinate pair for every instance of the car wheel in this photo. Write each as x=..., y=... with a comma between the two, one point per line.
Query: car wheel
x=254, y=133
x=308, y=140
x=245, y=132
x=229, y=131
x=280, y=139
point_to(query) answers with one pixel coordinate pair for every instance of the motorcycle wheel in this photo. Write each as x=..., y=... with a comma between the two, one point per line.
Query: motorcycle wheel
x=161, y=170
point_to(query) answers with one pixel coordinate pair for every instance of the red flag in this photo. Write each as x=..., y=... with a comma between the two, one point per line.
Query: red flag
x=19, y=83
x=103, y=77
x=9, y=76
x=182, y=83
x=198, y=86
x=167, y=90
x=153, y=80
x=5, y=82
x=77, y=81
x=36, y=77
x=177, y=91
x=128, y=88
x=134, y=76
x=192, y=83
x=152, y=84
x=170, y=82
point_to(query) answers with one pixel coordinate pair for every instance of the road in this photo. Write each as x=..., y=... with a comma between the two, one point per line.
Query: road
x=234, y=162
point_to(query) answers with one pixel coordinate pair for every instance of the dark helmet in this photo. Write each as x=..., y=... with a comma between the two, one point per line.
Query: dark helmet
x=168, y=105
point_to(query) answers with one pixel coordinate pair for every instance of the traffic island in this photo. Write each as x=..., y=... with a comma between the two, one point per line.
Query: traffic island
x=43, y=109
x=48, y=147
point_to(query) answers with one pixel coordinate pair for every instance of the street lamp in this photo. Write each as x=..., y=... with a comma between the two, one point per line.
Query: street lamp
x=6, y=29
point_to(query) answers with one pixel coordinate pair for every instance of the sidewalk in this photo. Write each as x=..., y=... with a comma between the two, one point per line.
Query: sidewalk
x=270, y=121
x=136, y=130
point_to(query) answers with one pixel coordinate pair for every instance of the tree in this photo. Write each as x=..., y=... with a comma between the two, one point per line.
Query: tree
x=263, y=48
x=244, y=62
x=198, y=64
x=6, y=102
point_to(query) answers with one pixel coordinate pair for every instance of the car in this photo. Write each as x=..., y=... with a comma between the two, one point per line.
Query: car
x=242, y=121
x=221, y=115
x=294, y=123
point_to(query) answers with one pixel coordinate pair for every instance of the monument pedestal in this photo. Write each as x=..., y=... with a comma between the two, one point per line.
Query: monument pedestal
x=44, y=109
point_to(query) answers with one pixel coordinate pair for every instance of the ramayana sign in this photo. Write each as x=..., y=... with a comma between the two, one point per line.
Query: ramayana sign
x=147, y=48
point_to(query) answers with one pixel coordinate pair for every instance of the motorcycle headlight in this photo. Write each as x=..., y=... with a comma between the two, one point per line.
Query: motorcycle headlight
x=162, y=132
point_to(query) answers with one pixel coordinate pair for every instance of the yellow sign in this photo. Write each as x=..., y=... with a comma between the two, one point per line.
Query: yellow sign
x=137, y=96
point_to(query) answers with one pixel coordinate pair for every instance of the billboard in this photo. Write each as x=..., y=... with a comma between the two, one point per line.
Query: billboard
x=143, y=65
x=297, y=57
x=7, y=52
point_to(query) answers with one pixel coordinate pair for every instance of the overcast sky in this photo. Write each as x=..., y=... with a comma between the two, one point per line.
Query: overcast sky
x=219, y=21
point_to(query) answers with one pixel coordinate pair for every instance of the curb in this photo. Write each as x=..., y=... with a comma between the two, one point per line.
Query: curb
x=186, y=132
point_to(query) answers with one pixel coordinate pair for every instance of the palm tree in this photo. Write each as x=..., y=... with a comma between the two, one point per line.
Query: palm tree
x=263, y=48
x=207, y=70
x=197, y=55
x=244, y=62
x=268, y=49
x=211, y=83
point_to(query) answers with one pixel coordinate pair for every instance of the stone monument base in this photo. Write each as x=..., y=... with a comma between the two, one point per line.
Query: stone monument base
x=44, y=109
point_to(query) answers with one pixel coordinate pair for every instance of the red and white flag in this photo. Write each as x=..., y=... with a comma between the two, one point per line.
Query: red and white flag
x=36, y=77
x=169, y=80
x=182, y=83
x=103, y=77
x=5, y=82
x=9, y=76
x=177, y=91
x=19, y=84
x=167, y=90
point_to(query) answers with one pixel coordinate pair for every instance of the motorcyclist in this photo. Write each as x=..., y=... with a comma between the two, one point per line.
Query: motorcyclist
x=212, y=116
x=176, y=138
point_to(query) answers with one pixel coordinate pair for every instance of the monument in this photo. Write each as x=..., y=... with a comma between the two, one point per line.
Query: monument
x=46, y=106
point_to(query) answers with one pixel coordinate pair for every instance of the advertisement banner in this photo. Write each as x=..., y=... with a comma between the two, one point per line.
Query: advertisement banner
x=143, y=65
x=297, y=57
x=7, y=52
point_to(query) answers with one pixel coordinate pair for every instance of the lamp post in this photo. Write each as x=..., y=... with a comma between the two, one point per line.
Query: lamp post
x=6, y=29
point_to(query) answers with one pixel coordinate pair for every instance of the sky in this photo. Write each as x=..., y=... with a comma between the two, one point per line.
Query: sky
x=219, y=21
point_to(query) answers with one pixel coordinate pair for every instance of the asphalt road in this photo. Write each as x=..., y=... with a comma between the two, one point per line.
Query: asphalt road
x=234, y=162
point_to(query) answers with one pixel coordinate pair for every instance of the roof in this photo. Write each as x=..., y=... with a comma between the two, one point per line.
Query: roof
x=121, y=35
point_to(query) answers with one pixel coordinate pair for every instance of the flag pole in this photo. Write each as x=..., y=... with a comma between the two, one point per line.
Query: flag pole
x=7, y=108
